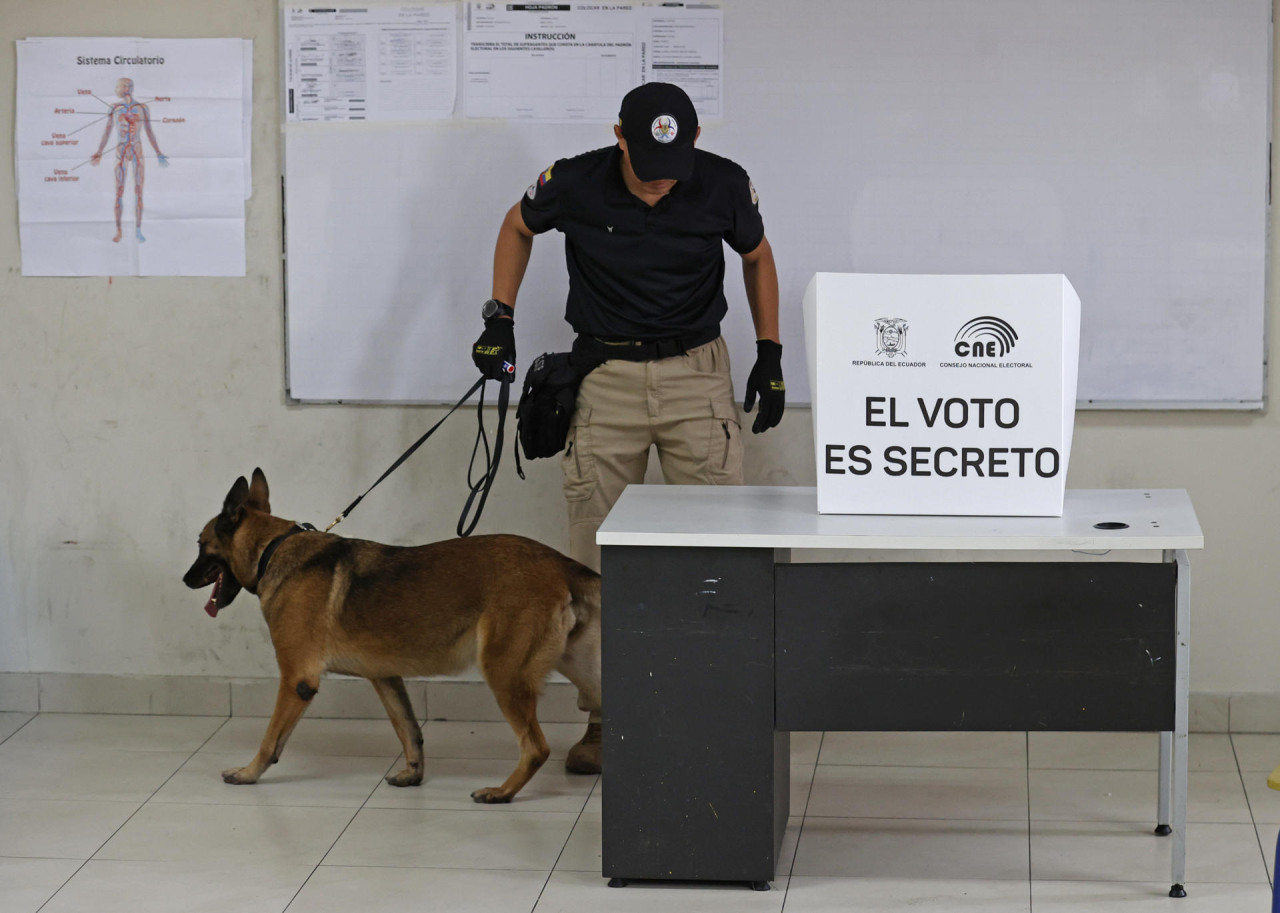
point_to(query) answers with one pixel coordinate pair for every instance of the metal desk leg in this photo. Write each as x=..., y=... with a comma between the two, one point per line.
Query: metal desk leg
x=1166, y=771
x=1178, y=780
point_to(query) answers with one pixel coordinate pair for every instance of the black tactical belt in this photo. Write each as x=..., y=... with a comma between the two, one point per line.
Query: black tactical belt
x=641, y=350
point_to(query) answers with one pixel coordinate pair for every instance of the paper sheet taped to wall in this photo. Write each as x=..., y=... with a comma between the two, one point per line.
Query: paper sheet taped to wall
x=370, y=64
x=133, y=156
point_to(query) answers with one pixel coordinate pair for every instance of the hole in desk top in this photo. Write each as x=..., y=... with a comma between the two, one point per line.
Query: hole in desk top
x=1111, y=524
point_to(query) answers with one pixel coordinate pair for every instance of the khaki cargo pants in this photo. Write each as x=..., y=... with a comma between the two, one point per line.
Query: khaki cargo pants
x=684, y=405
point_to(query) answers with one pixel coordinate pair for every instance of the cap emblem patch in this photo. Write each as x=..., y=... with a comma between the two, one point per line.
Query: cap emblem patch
x=664, y=128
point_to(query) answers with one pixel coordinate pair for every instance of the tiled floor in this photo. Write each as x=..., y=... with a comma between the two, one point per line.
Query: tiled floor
x=128, y=813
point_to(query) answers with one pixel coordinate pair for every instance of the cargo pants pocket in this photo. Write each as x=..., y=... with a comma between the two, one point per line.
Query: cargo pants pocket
x=724, y=449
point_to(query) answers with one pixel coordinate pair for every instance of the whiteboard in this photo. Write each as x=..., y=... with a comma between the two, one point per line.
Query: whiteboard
x=1124, y=143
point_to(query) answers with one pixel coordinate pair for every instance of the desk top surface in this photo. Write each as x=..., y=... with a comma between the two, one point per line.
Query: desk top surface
x=774, y=517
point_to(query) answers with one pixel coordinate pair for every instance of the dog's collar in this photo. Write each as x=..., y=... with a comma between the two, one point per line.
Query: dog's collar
x=275, y=544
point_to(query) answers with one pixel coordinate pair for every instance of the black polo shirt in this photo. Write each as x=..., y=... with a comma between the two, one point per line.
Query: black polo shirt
x=638, y=271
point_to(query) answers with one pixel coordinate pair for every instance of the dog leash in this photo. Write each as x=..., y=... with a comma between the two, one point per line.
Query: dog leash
x=480, y=487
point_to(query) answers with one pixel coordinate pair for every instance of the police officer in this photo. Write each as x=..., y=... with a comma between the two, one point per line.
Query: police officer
x=644, y=223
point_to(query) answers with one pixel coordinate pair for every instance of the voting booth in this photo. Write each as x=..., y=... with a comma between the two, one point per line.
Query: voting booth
x=942, y=394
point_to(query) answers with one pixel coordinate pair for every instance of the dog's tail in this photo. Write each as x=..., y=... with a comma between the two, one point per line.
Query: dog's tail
x=584, y=591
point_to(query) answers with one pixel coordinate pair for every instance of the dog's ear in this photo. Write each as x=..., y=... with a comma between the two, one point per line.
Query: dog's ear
x=259, y=494
x=233, y=506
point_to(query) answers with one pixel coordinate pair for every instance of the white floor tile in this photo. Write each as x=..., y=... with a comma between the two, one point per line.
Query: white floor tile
x=582, y=851
x=804, y=748
x=191, y=887
x=802, y=776
x=451, y=739
x=1109, y=851
x=25, y=884
x=453, y=840
x=57, y=828
x=894, y=895
x=918, y=792
x=1146, y=897
x=89, y=731
x=1124, y=751
x=335, y=781
x=11, y=722
x=1257, y=752
x=790, y=840
x=72, y=773
x=920, y=849
x=353, y=738
x=163, y=832
x=448, y=783
x=585, y=892
x=1264, y=802
x=896, y=821
x=1131, y=795
x=342, y=889
x=1267, y=835
x=926, y=749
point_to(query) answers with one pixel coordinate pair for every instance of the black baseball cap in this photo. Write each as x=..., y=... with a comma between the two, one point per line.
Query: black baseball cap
x=659, y=123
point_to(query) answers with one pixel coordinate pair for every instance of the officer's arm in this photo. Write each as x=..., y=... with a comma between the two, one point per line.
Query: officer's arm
x=760, y=275
x=511, y=256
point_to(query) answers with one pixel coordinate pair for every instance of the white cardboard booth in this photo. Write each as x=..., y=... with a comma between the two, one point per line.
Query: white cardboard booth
x=942, y=394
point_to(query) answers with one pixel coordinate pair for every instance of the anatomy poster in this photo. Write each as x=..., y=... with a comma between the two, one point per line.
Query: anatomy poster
x=131, y=156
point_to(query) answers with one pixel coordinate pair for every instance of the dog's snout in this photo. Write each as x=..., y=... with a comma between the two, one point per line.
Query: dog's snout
x=201, y=574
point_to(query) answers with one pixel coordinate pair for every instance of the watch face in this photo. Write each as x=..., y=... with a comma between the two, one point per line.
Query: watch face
x=489, y=309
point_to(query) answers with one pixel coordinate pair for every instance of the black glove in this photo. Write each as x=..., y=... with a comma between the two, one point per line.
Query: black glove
x=495, y=351
x=766, y=382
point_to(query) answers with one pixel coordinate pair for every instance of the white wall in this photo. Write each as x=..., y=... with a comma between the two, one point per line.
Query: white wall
x=128, y=406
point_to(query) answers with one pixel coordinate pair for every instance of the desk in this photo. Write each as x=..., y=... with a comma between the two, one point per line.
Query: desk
x=716, y=645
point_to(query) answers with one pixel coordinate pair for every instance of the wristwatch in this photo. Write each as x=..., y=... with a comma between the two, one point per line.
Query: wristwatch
x=495, y=308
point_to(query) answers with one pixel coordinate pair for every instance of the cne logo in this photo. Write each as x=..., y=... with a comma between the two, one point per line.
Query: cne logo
x=985, y=337
x=891, y=336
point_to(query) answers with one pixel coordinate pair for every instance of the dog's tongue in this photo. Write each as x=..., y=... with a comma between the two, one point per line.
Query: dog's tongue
x=212, y=605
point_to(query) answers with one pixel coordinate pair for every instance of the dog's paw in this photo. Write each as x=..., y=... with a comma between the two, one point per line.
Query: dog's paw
x=490, y=795
x=238, y=776
x=406, y=777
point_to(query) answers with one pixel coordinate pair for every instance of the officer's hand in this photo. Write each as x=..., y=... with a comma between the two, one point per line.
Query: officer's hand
x=766, y=382
x=495, y=351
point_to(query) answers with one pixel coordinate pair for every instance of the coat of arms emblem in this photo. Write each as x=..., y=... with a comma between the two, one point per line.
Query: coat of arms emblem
x=891, y=336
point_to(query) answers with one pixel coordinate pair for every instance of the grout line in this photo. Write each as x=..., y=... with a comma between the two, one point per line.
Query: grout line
x=550, y=872
x=19, y=729
x=363, y=806
x=1257, y=835
x=140, y=807
x=804, y=817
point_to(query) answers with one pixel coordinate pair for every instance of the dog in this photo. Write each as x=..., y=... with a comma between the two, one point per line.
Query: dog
x=512, y=606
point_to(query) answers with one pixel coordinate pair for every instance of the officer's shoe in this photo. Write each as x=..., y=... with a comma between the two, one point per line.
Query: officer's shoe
x=584, y=758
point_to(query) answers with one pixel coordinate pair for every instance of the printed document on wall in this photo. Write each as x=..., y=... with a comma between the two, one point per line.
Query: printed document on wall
x=131, y=156
x=683, y=43
x=370, y=63
x=552, y=62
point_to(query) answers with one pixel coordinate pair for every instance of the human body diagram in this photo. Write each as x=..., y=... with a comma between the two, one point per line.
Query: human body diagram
x=129, y=119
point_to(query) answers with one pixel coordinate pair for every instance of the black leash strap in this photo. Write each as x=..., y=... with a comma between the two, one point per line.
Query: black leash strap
x=482, y=486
